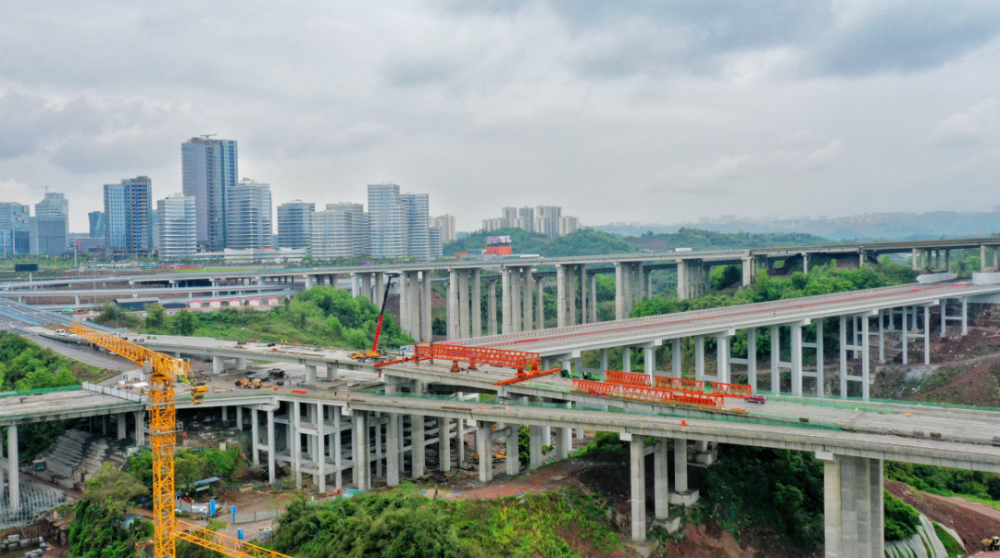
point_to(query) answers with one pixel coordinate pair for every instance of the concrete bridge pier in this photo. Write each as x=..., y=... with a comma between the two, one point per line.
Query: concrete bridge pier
x=491, y=307
x=620, y=306
x=528, y=300
x=13, y=474
x=853, y=506
x=477, y=307
x=540, y=304
x=592, y=305
x=218, y=365
x=484, y=447
x=454, y=329
x=516, y=283
x=361, y=446
x=535, y=442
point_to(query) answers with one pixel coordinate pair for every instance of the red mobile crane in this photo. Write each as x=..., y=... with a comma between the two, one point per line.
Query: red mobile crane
x=376, y=354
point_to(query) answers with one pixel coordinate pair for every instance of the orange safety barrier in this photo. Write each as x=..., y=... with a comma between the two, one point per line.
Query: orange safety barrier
x=478, y=355
x=731, y=390
x=665, y=382
x=649, y=393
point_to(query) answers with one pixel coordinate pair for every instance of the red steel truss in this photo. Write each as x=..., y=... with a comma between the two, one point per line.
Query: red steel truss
x=668, y=382
x=649, y=393
x=519, y=360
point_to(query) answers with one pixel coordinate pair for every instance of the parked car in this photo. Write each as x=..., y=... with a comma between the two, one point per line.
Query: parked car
x=760, y=399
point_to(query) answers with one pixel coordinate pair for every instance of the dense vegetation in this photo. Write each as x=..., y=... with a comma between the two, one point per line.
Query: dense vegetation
x=25, y=365
x=901, y=520
x=946, y=482
x=711, y=240
x=319, y=316
x=581, y=242
x=189, y=466
x=98, y=530
x=403, y=523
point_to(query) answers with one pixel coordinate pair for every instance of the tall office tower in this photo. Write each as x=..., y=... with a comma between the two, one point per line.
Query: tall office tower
x=249, y=215
x=210, y=169
x=568, y=225
x=416, y=218
x=127, y=207
x=547, y=220
x=447, y=225
x=178, y=227
x=526, y=215
x=154, y=228
x=14, y=215
x=97, y=225
x=434, y=242
x=47, y=235
x=333, y=234
x=293, y=224
x=54, y=205
x=358, y=225
x=386, y=227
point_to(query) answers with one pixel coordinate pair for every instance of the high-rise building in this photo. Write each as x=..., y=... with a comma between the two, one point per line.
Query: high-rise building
x=526, y=218
x=509, y=217
x=386, y=227
x=249, y=215
x=47, y=235
x=98, y=224
x=154, y=227
x=178, y=229
x=547, y=220
x=568, y=225
x=127, y=207
x=293, y=224
x=435, y=242
x=333, y=234
x=54, y=205
x=14, y=215
x=447, y=225
x=358, y=225
x=416, y=218
x=210, y=167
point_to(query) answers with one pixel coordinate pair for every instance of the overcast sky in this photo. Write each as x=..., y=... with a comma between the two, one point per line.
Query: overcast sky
x=618, y=111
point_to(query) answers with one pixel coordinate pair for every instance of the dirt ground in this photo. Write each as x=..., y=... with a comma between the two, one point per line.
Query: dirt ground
x=973, y=522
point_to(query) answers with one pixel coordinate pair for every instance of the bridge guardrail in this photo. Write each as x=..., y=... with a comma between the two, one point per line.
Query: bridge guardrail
x=113, y=391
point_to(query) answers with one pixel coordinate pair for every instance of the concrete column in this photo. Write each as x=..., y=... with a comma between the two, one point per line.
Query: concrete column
x=915, y=260
x=121, y=426
x=404, y=303
x=775, y=359
x=649, y=362
x=140, y=428
x=796, y=360
x=639, y=283
x=463, y=304
x=583, y=294
x=627, y=281
x=562, y=312
x=241, y=364
x=626, y=359
x=927, y=335
x=699, y=358
x=392, y=451
x=271, y=467
x=592, y=307
x=843, y=357
x=296, y=444
x=965, y=316
x=484, y=447
x=722, y=371
x=310, y=374
x=564, y=442
x=752, y=358
x=218, y=365
x=682, y=280
x=454, y=332
x=529, y=300
x=571, y=293
x=854, y=521
x=982, y=257
x=417, y=449
x=947, y=261
x=491, y=319
x=379, y=288
x=362, y=451
x=661, y=482
x=620, y=313
x=638, y=494
x=675, y=357
x=477, y=306
x=944, y=316
x=516, y=283
x=535, y=447
x=426, y=307
x=865, y=360
x=508, y=318
x=680, y=466
x=254, y=437
x=820, y=380
x=338, y=458
x=365, y=287
x=13, y=474
x=513, y=465
x=540, y=303
x=416, y=322
x=604, y=359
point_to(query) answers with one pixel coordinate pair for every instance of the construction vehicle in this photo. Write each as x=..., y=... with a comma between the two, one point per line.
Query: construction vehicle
x=991, y=544
x=376, y=354
x=247, y=383
x=275, y=373
x=162, y=411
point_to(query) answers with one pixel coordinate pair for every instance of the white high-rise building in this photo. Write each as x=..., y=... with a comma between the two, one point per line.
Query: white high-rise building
x=568, y=225
x=248, y=216
x=54, y=205
x=447, y=225
x=358, y=225
x=416, y=216
x=332, y=234
x=294, y=219
x=547, y=220
x=434, y=240
x=178, y=227
x=386, y=227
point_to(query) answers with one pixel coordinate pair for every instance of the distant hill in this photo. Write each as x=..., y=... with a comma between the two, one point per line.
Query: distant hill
x=590, y=242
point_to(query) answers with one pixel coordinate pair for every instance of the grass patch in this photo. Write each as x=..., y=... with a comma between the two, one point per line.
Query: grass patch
x=951, y=546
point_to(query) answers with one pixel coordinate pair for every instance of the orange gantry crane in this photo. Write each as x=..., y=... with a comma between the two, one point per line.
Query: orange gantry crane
x=162, y=411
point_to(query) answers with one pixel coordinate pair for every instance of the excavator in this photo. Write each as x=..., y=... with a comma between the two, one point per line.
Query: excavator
x=376, y=354
x=247, y=383
x=991, y=544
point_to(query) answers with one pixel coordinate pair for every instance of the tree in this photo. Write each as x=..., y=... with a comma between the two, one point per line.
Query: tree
x=112, y=489
x=156, y=316
x=185, y=323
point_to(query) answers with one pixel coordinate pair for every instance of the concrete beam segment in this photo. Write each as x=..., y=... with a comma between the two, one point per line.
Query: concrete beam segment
x=505, y=289
x=477, y=306
x=254, y=437
x=516, y=283
x=491, y=308
x=13, y=474
x=454, y=331
x=562, y=312
x=392, y=456
x=638, y=493
x=513, y=465
x=484, y=447
x=463, y=304
x=620, y=313
x=529, y=300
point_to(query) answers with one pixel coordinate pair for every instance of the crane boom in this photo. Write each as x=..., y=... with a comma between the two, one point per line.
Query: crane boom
x=162, y=411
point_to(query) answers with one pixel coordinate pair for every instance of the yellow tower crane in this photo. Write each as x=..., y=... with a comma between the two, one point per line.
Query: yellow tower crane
x=162, y=411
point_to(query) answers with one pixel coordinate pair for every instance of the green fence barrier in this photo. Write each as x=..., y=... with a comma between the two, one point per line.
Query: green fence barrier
x=37, y=391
